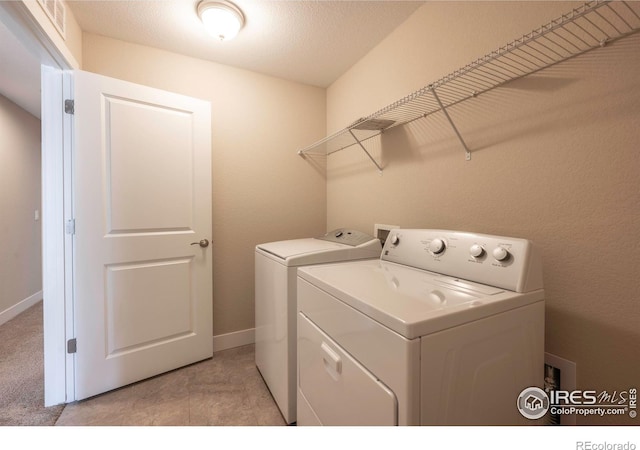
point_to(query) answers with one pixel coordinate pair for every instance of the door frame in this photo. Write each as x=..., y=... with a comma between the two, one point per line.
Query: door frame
x=30, y=27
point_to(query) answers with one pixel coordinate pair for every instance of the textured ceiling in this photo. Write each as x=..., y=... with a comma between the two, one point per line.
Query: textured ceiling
x=310, y=41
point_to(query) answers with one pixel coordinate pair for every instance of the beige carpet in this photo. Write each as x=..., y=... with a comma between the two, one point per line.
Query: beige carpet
x=22, y=372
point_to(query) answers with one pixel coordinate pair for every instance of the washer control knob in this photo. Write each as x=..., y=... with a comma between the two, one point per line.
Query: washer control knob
x=339, y=234
x=395, y=240
x=476, y=251
x=437, y=246
x=500, y=253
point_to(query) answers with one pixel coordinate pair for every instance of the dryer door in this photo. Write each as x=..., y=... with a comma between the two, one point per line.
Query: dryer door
x=338, y=389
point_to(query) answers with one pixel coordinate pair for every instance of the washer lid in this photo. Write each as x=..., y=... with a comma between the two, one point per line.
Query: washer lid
x=338, y=245
x=410, y=301
x=297, y=247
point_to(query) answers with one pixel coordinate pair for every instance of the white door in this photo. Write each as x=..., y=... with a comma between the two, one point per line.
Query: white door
x=142, y=196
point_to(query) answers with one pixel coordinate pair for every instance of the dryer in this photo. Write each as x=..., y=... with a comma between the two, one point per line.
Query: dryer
x=275, y=302
x=445, y=328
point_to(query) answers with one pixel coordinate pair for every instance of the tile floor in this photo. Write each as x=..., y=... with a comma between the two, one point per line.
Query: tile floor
x=224, y=390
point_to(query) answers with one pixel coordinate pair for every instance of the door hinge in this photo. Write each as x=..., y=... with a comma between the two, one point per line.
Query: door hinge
x=72, y=345
x=70, y=226
x=69, y=106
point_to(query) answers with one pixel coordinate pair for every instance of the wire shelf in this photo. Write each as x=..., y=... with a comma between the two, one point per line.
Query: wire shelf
x=590, y=26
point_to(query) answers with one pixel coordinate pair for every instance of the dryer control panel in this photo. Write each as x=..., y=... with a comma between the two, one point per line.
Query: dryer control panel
x=347, y=236
x=509, y=263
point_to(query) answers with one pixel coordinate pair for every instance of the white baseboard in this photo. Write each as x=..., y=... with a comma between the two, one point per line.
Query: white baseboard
x=19, y=307
x=232, y=340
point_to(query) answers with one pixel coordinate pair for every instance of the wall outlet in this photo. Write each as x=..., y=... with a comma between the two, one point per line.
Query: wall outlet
x=381, y=231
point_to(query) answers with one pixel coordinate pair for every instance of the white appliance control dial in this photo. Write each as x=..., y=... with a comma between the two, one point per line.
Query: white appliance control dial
x=476, y=251
x=395, y=240
x=500, y=253
x=437, y=246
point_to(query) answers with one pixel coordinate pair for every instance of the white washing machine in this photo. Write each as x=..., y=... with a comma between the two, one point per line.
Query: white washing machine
x=275, y=302
x=445, y=328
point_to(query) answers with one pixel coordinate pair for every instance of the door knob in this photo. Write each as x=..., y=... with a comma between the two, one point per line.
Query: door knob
x=203, y=243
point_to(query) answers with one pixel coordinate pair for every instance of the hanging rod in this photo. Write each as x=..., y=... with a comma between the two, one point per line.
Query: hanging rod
x=592, y=25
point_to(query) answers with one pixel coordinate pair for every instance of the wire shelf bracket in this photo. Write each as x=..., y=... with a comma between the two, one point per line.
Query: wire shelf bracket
x=453, y=125
x=590, y=26
x=365, y=150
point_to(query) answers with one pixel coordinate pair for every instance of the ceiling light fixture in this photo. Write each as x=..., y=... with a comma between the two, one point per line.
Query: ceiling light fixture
x=222, y=19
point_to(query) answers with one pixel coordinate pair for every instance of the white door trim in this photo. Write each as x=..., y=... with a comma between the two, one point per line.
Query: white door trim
x=56, y=265
x=54, y=244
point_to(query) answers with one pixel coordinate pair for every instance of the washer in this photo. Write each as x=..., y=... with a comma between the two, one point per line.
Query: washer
x=445, y=328
x=275, y=302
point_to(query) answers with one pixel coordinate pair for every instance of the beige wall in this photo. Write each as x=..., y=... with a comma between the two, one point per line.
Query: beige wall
x=555, y=159
x=20, y=237
x=73, y=38
x=262, y=190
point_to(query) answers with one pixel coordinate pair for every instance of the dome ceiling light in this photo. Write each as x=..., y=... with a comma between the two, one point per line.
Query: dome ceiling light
x=222, y=19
